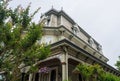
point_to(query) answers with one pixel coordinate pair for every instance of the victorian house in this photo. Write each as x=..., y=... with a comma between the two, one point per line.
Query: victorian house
x=70, y=45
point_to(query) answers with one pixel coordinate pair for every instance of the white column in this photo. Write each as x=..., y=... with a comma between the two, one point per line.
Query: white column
x=67, y=65
x=64, y=62
x=63, y=72
x=30, y=77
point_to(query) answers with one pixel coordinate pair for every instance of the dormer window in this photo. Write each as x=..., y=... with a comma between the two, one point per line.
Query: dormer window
x=48, y=20
x=91, y=41
x=45, y=19
x=99, y=48
x=74, y=29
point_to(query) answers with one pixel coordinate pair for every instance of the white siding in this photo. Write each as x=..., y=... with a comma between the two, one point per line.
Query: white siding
x=66, y=23
x=53, y=20
x=48, y=39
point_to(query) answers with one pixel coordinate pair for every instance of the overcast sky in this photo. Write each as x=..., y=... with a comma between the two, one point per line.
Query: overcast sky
x=99, y=18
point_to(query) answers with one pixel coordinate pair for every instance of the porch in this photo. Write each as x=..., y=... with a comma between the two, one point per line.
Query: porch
x=57, y=71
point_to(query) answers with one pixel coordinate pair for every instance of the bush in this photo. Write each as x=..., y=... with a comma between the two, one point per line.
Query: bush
x=95, y=72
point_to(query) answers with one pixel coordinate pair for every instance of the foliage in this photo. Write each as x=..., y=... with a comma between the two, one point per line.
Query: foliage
x=118, y=64
x=109, y=77
x=18, y=36
x=95, y=72
x=85, y=71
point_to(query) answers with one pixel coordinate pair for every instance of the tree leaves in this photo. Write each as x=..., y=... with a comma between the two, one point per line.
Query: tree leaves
x=18, y=36
x=118, y=64
x=96, y=72
x=85, y=70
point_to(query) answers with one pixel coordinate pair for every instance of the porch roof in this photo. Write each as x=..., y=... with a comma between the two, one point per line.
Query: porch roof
x=66, y=42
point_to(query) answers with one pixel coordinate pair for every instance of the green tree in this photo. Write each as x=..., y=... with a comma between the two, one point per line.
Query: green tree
x=95, y=73
x=85, y=70
x=18, y=41
x=118, y=64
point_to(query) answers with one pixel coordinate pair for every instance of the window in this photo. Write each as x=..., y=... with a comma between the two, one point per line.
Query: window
x=2, y=77
x=37, y=77
x=91, y=41
x=43, y=77
x=53, y=75
x=80, y=77
x=48, y=39
x=100, y=57
x=74, y=29
x=99, y=47
x=47, y=18
x=25, y=77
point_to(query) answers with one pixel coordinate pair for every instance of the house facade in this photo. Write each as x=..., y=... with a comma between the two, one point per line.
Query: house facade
x=70, y=46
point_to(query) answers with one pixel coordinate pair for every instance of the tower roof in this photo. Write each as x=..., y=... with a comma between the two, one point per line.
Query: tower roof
x=58, y=13
x=64, y=14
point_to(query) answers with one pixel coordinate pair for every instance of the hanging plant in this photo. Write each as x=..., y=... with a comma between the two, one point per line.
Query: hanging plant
x=44, y=70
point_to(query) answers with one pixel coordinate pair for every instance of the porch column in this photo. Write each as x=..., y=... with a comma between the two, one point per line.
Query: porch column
x=63, y=72
x=30, y=77
x=64, y=62
x=67, y=65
